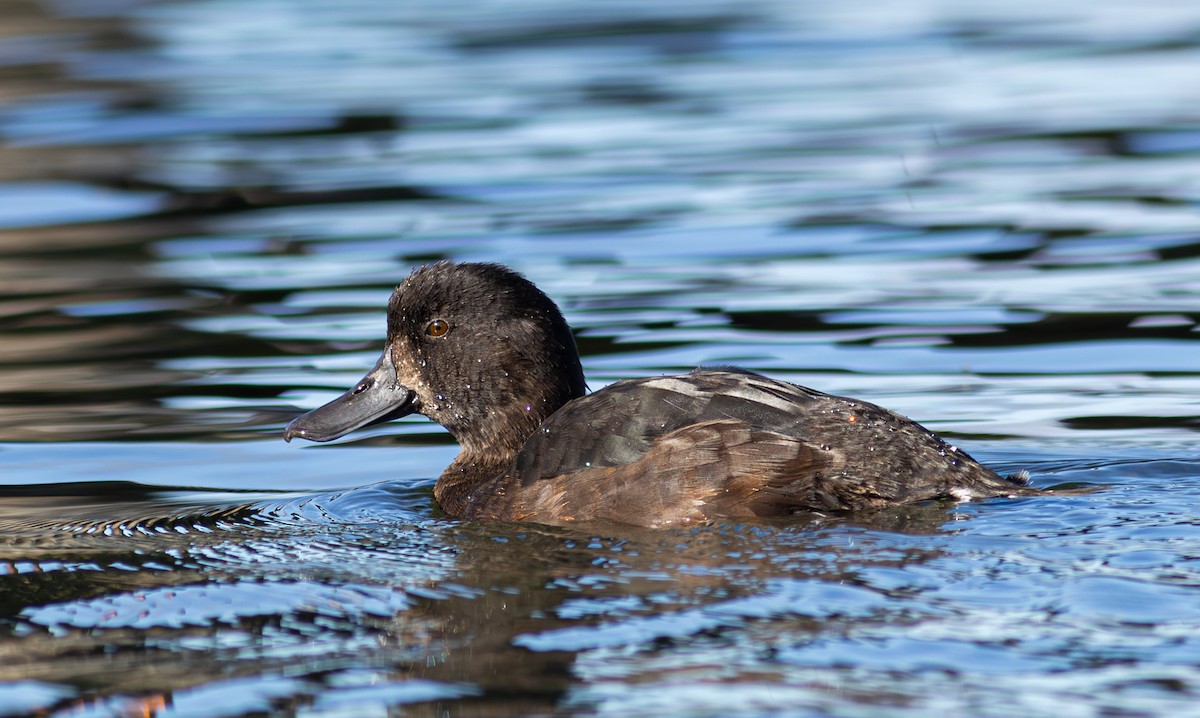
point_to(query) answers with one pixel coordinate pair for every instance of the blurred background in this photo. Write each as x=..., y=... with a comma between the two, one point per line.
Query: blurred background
x=204, y=205
x=202, y=201
x=985, y=216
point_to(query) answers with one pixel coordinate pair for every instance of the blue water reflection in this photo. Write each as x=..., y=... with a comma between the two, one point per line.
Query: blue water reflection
x=981, y=216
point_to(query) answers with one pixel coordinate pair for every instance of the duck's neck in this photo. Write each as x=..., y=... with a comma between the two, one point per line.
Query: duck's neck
x=474, y=480
x=473, y=486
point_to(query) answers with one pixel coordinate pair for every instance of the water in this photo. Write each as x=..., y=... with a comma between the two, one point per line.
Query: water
x=982, y=217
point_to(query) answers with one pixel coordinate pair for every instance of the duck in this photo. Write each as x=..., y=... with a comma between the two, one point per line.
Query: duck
x=479, y=349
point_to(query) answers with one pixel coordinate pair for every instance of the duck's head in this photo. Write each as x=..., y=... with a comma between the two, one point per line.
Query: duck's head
x=475, y=347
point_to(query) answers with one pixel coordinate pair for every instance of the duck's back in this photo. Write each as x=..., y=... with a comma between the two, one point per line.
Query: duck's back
x=670, y=450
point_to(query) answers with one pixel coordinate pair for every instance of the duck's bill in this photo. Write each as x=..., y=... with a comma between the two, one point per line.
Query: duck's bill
x=377, y=398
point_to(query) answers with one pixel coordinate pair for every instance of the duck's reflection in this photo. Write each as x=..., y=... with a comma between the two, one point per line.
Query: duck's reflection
x=473, y=593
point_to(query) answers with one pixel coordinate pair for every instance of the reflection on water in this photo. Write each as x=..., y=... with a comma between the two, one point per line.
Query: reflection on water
x=983, y=217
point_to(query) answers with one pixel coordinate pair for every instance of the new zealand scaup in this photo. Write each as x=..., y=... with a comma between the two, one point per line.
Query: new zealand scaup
x=483, y=352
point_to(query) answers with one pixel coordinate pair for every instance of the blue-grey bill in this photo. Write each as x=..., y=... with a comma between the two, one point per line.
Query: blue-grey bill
x=378, y=397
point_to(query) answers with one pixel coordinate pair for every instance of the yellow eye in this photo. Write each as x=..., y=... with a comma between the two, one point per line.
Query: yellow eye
x=437, y=328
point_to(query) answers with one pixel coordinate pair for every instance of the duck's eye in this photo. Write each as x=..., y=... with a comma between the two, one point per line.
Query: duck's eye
x=437, y=328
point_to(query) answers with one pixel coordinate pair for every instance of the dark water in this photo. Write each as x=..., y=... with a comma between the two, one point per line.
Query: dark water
x=985, y=216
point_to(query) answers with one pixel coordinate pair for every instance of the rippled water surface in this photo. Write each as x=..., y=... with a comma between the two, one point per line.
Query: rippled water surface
x=985, y=216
